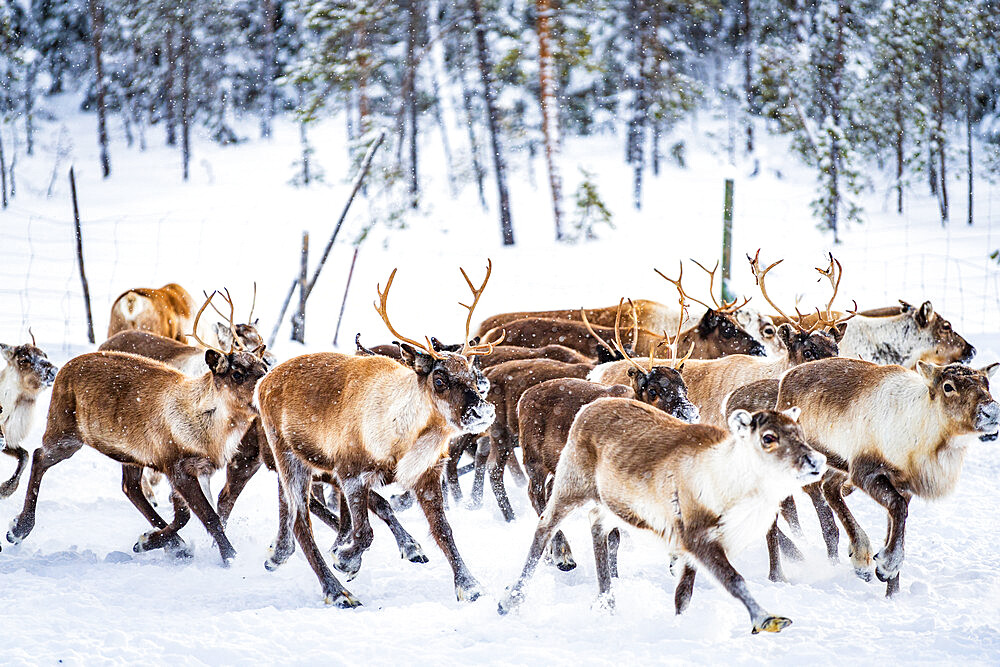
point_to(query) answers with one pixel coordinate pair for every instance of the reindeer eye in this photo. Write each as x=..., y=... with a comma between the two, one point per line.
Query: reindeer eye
x=768, y=331
x=770, y=441
x=946, y=326
x=949, y=387
x=808, y=354
x=440, y=384
x=652, y=393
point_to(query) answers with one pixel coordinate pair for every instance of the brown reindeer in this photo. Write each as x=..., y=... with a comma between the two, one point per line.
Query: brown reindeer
x=143, y=413
x=26, y=373
x=894, y=434
x=648, y=315
x=545, y=413
x=392, y=421
x=707, y=492
x=165, y=311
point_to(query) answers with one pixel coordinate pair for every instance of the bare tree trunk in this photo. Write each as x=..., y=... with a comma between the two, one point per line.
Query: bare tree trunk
x=940, y=141
x=306, y=150
x=268, y=70
x=748, y=72
x=31, y=74
x=834, y=210
x=96, y=36
x=442, y=106
x=550, y=107
x=186, y=96
x=3, y=173
x=931, y=167
x=364, y=107
x=168, y=87
x=499, y=167
x=639, y=18
x=411, y=95
x=477, y=166
x=970, y=163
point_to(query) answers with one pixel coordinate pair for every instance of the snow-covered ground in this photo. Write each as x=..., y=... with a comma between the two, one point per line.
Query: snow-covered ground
x=75, y=592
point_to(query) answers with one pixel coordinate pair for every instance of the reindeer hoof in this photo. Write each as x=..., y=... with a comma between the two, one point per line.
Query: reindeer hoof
x=12, y=536
x=887, y=564
x=469, y=592
x=342, y=600
x=510, y=602
x=8, y=488
x=413, y=552
x=349, y=567
x=271, y=565
x=771, y=624
x=401, y=501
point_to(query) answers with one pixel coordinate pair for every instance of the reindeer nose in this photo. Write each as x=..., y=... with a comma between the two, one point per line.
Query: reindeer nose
x=813, y=463
x=758, y=350
x=970, y=352
x=988, y=417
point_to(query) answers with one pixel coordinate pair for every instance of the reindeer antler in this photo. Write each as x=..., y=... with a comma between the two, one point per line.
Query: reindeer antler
x=237, y=343
x=618, y=339
x=380, y=308
x=32, y=334
x=586, y=323
x=483, y=348
x=677, y=284
x=253, y=304
x=197, y=319
x=834, y=272
x=725, y=308
x=759, y=277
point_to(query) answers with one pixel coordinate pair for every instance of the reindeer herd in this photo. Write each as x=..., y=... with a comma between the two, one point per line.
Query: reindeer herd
x=699, y=427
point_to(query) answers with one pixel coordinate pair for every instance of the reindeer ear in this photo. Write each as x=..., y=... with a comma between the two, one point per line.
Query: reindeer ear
x=990, y=370
x=739, y=423
x=420, y=362
x=792, y=413
x=223, y=334
x=785, y=333
x=7, y=351
x=709, y=321
x=837, y=331
x=217, y=362
x=929, y=372
x=925, y=314
x=905, y=307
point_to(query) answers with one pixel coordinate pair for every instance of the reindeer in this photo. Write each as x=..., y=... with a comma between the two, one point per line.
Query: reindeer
x=26, y=373
x=893, y=433
x=546, y=411
x=903, y=335
x=190, y=359
x=143, y=413
x=391, y=421
x=649, y=315
x=165, y=311
x=706, y=492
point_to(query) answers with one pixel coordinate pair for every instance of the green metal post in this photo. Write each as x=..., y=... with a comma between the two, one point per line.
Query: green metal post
x=727, y=240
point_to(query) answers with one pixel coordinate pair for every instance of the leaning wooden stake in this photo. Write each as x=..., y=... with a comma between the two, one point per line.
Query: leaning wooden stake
x=343, y=304
x=79, y=257
x=281, y=315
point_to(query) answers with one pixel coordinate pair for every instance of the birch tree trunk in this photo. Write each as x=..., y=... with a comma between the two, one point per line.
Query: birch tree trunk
x=550, y=108
x=268, y=70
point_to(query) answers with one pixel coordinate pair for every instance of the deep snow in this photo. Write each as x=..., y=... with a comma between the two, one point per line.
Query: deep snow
x=73, y=591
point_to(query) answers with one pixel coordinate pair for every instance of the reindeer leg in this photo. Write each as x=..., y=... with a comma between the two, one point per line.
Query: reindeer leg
x=775, y=572
x=408, y=547
x=892, y=583
x=503, y=450
x=167, y=538
x=482, y=455
x=861, y=548
x=712, y=556
x=791, y=514
x=614, y=541
x=189, y=488
x=516, y=472
x=242, y=467
x=599, y=535
x=318, y=506
x=46, y=456
x=455, y=450
x=831, y=534
x=164, y=535
x=428, y=491
x=21, y=454
x=284, y=544
x=684, y=590
x=560, y=505
x=344, y=516
x=296, y=479
x=877, y=485
x=347, y=556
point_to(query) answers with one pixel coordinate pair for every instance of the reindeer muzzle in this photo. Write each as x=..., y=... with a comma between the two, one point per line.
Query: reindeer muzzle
x=688, y=413
x=46, y=373
x=478, y=417
x=811, y=466
x=758, y=350
x=988, y=418
x=970, y=352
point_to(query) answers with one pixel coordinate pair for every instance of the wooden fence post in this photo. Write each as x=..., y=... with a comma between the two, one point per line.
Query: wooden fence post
x=343, y=303
x=727, y=240
x=299, y=318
